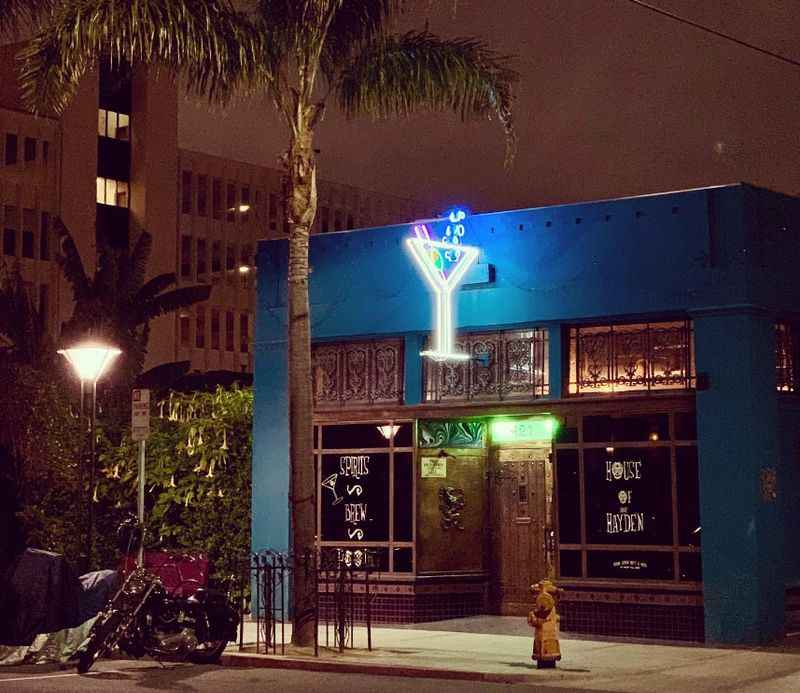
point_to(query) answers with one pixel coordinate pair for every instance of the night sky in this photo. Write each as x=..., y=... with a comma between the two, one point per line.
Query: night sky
x=614, y=100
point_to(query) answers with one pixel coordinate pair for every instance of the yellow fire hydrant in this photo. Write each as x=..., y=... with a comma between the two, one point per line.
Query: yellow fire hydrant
x=544, y=618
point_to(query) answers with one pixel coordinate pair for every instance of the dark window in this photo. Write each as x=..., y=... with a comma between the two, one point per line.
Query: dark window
x=28, y=232
x=186, y=192
x=344, y=436
x=273, y=211
x=45, y=150
x=214, y=328
x=186, y=256
x=27, y=244
x=351, y=224
x=216, y=256
x=601, y=429
x=202, y=260
x=200, y=328
x=244, y=208
x=202, y=195
x=9, y=242
x=184, y=330
x=403, y=490
x=229, y=319
x=216, y=198
x=30, y=149
x=230, y=202
x=247, y=255
x=244, y=333
x=337, y=220
x=11, y=149
x=325, y=216
x=230, y=257
x=44, y=237
x=569, y=512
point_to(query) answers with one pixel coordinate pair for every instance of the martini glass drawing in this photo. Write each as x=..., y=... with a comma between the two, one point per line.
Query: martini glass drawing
x=443, y=265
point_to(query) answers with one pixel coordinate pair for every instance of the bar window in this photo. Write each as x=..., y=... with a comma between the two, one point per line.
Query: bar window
x=629, y=358
x=628, y=500
x=365, y=504
x=186, y=192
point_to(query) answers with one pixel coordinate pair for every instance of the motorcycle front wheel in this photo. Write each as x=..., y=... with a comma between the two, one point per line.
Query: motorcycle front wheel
x=208, y=652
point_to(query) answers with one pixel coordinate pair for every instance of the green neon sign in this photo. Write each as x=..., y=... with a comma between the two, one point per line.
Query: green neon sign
x=528, y=430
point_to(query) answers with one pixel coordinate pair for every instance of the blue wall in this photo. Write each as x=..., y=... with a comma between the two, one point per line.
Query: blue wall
x=726, y=256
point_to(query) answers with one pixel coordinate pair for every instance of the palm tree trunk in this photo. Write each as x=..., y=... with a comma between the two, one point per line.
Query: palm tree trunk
x=301, y=208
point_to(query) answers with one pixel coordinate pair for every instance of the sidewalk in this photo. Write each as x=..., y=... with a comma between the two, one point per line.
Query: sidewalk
x=498, y=649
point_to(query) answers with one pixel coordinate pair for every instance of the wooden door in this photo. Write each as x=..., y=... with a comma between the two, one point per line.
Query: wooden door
x=521, y=500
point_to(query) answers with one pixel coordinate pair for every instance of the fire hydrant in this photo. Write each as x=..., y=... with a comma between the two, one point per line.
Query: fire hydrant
x=544, y=619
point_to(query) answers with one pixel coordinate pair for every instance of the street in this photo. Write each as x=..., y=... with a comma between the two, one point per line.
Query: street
x=121, y=676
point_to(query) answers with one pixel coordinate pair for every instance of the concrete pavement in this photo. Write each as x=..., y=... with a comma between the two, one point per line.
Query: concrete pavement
x=497, y=649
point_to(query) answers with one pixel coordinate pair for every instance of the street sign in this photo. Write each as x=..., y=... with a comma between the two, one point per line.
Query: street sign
x=140, y=414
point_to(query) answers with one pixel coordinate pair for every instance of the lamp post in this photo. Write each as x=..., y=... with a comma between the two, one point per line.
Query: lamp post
x=90, y=360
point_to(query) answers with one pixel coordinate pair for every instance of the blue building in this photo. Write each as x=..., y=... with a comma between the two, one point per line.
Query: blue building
x=627, y=420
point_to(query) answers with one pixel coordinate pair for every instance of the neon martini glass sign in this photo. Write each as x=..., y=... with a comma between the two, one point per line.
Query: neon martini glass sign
x=443, y=264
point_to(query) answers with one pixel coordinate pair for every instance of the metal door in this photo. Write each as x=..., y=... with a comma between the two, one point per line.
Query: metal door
x=521, y=511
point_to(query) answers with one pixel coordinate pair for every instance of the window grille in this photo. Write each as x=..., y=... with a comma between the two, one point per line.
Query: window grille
x=503, y=365
x=785, y=353
x=627, y=358
x=348, y=374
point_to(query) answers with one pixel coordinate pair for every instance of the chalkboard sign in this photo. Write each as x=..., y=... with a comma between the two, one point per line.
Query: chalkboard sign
x=628, y=496
x=355, y=497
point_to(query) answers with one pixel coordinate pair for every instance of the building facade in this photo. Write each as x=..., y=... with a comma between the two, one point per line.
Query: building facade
x=112, y=165
x=626, y=419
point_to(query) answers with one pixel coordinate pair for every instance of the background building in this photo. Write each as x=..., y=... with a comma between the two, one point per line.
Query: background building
x=627, y=419
x=113, y=164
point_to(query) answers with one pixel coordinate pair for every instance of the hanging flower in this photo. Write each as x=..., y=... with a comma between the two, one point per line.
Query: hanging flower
x=210, y=470
x=220, y=494
x=172, y=481
x=94, y=495
x=115, y=475
x=161, y=409
x=224, y=439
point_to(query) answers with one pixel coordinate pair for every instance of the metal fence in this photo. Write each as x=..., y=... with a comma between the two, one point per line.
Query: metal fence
x=341, y=598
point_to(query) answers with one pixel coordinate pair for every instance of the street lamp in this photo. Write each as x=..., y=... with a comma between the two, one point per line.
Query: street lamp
x=90, y=360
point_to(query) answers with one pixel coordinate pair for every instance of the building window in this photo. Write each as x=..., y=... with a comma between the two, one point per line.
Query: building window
x=230, y=203
x=200, y=328
x=230, y=257
x=112, y=124
x=112, y=192
x=30, y=149
x=229, y=318
x=11, y=149
x=45, y=150
x=366, y=501
x=357, y=373
x=186, y=192
x=202, y=260
x=44, y=237
x=244, y=206
x=628, y=497
x=202, y=195
x=351, y=222
x=325, y=217
x=44, y=306
x=183, y=326
x=273, y=212
x=28, y=232
x=785, y=357
x=337, y=220
x=216, y=256
x=186, y=256
x=9, y=242
x=244, y=333
x=214, y=328
x=216, y=198
x=630, y=358
x=504, y=365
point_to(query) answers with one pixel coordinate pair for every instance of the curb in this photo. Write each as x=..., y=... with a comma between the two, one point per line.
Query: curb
x=369, y=668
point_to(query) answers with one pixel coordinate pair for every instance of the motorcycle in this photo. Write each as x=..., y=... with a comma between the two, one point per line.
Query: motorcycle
x=146, y=618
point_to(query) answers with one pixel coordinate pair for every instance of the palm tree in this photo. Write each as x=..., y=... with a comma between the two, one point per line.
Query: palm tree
x=305, y=54
x=16, y=15
x=117, y=304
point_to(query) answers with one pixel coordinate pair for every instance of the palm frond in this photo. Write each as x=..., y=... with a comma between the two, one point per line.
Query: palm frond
x=137, y=266
x=417, y=71
x=213, y=46
x=16, y=14
x=71, y=264
x=172, y=300
x=154, y=287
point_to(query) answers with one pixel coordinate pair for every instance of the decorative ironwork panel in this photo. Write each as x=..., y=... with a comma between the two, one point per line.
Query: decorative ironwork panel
x=503, y=365
x=350, y=374
x=625, y=358
x=785, y=355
